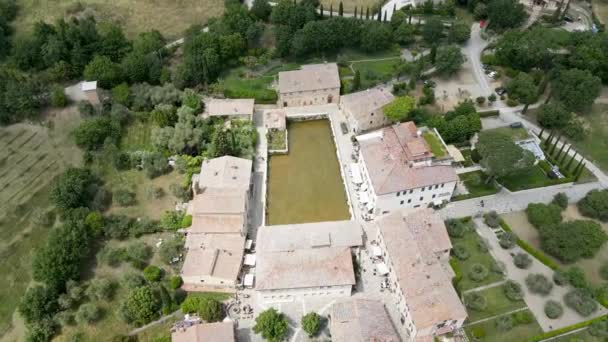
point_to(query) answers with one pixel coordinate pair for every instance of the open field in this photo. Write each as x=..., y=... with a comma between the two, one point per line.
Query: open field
x=30, y=157
x=170, y=17
x=492, y=334
x=595, y=145
x=518, y=221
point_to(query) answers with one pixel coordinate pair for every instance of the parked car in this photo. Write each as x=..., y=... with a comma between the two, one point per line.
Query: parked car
x=492, y=74
x=517, y=124
x=430, y=83
x=500, y=91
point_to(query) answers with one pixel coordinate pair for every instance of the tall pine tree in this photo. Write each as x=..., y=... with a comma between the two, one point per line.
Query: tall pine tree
x=341, y=9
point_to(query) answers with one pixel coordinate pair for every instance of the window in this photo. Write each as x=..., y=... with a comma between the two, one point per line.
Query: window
x=372, y=114
x=436, y=186
x=409, y=200
x=434, y=196
x=370, y=122
x=442, y=185
x=398, y=193
x=411, y=190
x=401, y=202
x=422, y=189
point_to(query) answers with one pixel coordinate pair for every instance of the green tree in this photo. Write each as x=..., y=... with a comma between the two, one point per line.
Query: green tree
x=505, y=14
x=341, y=9
x=153, y=273
x=72, y=189
x=104, y=71
x=501, y=156
x=356, y=81
x=88, y=313
x=432, y=30
x=113, y=42
x=272, y=325
x=595, y=205
x=376, y=36
x=399, y=109
x=460, y=32
x=404, y=33
x=208, y=309
x=524, y=89
x=449, y=60
x=560, y=242
x=38, y=302
x=92, y=133
x=261, y=9
x=140, y=307
x=544, y=215
x=311, y=323
x=58, y=98
x=122, y=94
x=576, y=89
x=553, y=115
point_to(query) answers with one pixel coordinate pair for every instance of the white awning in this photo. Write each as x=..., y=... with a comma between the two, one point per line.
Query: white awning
x=376, y=251
x=356, y=173
x=249, y=259
x=363, y=197
x=382, y=268
x=249, y=279
x=248, y=244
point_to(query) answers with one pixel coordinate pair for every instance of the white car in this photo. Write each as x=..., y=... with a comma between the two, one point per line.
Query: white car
x=492, y=74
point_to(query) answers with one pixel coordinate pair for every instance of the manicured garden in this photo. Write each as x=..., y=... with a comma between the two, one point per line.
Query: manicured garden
x=435, y=144
x=236, y=84
x=477, y=185
x=470, y=253
x=516, y=134
x=496, y=303
x=489, y=331
x=595, y=143
x=534, y=177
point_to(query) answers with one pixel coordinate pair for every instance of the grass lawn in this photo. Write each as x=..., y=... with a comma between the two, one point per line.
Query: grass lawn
x=468, y=161
x=470, y=241
x=277, y=140
x=31, y=155
x=515, y=133
x=533, y=178
x=157, y=332
x=138, y=137
x=236, y=85
x=353, y=55
x=435, y=144
x=491, y=334
x=595, y=145
x=374, y=72
x=169, y=17
x=581, y=336
x=476, y=184
x=498, y=304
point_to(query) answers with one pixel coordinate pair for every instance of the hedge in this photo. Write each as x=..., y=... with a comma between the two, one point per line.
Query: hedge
x=457, y=274
x=570, y=328
x=540, y=256
x=489, y=113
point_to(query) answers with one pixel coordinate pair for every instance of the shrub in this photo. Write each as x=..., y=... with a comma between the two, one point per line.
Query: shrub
x=595, y=205
x=478, y=272
x=541, y=215
x=522, y=260
x=539, y=284
x=101, y=289
x=480, y=100
x=576, y=277
x=562, y=243
x=522, y=317
x=186, y=221
x=560, y=278
x=504, y=323
x=512, y=102
x=152, y=273
x=88, y=313
x=599, y=329
x=475, y=301
x=560, y=199
x=153, y=192
x=580, y=301
x=482, y=246
x=513, y=291
x=456, y=228
x=140, y=307
x=132, y=280
x=491, y=219
x=124, y=198
x=492, y=97
x=507, y=240
x=172, y=220
x=553, y=309
x=478, y=332
x=208, y=309
x=461, y=252
x=175, y=282
x=171, y=249
x=180, y=192
x=58, y=98
x=311, y=323
x=497, y=267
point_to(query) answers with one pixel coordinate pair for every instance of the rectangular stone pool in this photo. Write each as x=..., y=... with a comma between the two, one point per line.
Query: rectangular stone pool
x=305, y=185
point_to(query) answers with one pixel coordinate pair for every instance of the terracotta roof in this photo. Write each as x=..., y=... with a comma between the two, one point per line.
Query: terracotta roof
x=215, y=255
x=275, y=119
x=229, y=107
x=225, y=172
x=361, y=320
x=309, y=235
x=310, y=77
x=390, y=155
x=304, y=268
x=207, y=332
x=362, y=103
x=412, y=238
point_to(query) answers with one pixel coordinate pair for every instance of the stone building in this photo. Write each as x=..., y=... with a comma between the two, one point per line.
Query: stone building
x=313, y=84
x=364, y=109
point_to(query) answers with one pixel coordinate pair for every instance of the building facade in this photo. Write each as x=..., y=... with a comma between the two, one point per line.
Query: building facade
x=416, y=250
x=399, y=170
x=364, y=109
x=314, y=84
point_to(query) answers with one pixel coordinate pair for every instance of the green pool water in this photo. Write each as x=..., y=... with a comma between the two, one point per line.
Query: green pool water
x=305, y=185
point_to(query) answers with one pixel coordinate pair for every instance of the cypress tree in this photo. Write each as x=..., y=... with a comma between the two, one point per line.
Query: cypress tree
x=542, y=130
x=357, y=80
x=571, y=159
x=560, y=152
x=379, y=17
x=367, y=14
x=548, y=141
x=433, y=53
x=580, y=172
x=555, y=145
x=321, y=10
x=385, y=16
x=394, y=8
x=331, y=10
x=578, y=166
x=341, y=9
x=566, y=154
x=355, y=12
